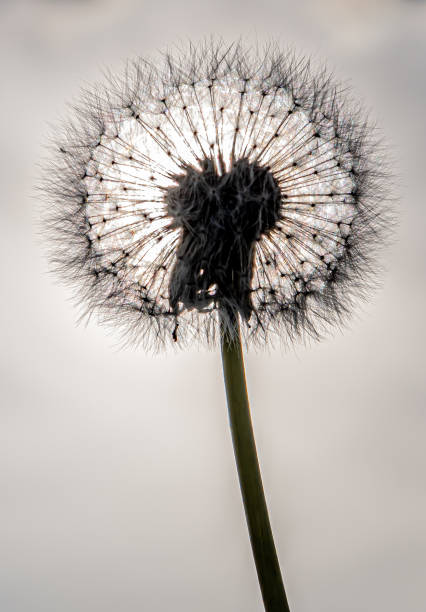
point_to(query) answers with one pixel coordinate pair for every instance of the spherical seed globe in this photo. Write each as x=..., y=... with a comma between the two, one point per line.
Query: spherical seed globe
x=221, y=181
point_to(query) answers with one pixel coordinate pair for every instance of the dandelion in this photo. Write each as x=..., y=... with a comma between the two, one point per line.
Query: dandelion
x=220, y=190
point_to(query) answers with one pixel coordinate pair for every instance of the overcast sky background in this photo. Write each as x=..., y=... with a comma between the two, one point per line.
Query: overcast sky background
x=118, y=489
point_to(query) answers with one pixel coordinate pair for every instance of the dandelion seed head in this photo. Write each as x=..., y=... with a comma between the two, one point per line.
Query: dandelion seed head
x=221, y=180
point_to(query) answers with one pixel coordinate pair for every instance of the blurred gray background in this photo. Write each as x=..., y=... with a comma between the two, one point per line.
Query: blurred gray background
x=118, y=489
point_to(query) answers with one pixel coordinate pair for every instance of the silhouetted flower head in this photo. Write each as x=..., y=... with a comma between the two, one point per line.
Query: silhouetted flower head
x=223, y=180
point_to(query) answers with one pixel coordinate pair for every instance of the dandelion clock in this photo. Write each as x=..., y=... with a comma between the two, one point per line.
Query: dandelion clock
x=222, y=196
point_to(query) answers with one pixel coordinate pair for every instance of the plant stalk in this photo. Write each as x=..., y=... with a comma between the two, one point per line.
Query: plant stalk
x=262, y=542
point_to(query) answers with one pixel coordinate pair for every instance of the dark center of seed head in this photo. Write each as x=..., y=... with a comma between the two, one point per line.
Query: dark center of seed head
x=220, y=217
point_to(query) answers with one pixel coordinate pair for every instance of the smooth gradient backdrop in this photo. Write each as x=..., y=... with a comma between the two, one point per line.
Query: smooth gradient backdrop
x=118, y=489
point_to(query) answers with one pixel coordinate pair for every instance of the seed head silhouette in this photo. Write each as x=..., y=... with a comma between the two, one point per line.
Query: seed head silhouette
x=222, y=180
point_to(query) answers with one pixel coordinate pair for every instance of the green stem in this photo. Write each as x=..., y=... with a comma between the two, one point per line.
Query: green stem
x=262, y=542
